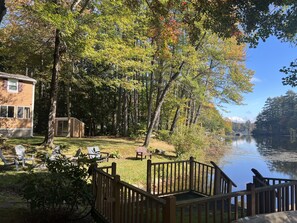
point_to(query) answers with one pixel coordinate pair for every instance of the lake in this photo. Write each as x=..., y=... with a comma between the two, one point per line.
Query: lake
x=272, y=157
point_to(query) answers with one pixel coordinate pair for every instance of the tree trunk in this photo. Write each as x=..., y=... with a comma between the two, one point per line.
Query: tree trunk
x=68, y=110
x=176, y=116
x=192, y=112
x=136, y=107
x=2, y=9
x=159, y=93
x=125, y=114
x=177, y=112
x=159, y=105
x=149, y=91
x=119, y=112
x=49, y=138
x=197, y=114
x=114, y=115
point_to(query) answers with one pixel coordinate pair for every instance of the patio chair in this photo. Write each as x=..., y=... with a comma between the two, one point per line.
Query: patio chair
x=75, y=158
x=21, y=155
x=94, y=153
x=56, y=152
x=5, y=161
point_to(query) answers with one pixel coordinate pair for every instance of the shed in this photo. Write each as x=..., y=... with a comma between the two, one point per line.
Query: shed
x=71, y=127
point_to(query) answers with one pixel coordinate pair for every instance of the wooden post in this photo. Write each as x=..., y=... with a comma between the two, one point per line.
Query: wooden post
x=149, y=177
x=94, y=179
x=191, y=173
x=230, y=187
x=113, y=169
x=251, y=200
x=170, y=210
x=116, y=204
x=217, y=181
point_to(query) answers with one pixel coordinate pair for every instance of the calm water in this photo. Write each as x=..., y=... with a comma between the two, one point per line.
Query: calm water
x=272, y=157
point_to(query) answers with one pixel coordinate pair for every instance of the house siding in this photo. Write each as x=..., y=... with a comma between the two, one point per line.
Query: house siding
x=24, y=97
x=21, y=98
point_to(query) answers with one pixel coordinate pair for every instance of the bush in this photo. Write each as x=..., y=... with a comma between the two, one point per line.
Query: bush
x=189, y=141
x=59, y=195
x=163, y=135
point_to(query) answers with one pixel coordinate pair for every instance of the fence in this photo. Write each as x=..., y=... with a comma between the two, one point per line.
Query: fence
x=232, y=206
x=120, y=202
x=182, y=176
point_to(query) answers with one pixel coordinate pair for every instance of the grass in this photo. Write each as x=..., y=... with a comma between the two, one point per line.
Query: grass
x=125, y=147
x=130, y=170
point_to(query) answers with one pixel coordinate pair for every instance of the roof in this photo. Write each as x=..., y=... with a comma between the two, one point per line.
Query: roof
x=18, y=77
x=66, y=118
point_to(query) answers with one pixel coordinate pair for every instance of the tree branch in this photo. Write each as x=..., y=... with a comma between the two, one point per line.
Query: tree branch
x=2, y=9
x=84, y=7
x=74, y=4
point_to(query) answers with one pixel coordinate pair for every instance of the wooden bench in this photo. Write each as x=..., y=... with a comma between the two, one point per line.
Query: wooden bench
x=142, y=152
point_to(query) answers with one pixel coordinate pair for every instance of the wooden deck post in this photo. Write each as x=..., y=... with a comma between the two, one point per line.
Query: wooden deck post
x=191, y=173
x=94, y=179
x=149, y=176
x=116, y=203
x=251, y=200
x=170, y=210
x=113, y=169
x=217, y=181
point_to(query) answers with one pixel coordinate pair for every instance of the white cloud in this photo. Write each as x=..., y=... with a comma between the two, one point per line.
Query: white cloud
x=236, y=119
x=255, y=80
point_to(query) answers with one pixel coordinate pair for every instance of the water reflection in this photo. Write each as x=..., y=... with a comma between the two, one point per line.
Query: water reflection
x=280, y=154
x=273, y=157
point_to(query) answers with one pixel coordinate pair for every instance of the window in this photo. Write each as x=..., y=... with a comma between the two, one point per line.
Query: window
x=27, y=113
x=12, y=85
x=3, y=111
x=7, y=111
x=20, y=112
x=10, y=112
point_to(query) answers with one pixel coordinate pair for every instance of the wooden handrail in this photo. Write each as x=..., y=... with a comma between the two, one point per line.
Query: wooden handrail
x=117, y=200
x=140, y=191
x=223, y=173
x=213, y=198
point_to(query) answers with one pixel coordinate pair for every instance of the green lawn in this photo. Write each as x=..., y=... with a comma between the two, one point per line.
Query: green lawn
x=131, y=170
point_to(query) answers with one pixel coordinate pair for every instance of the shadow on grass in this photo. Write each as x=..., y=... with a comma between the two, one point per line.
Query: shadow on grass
x=12, y=205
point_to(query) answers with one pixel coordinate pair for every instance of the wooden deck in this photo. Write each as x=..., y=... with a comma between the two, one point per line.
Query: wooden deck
x=187, y=192
x=185, y=196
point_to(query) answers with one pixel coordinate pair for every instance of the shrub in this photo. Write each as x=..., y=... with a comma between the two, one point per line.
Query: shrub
x=189, y=141
x=163, y=135
x=59, y=195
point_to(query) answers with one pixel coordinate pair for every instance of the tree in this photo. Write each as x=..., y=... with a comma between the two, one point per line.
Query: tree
x=2, y=9
x=55, y=14
x=134, y=66
x=291, y=73
x=278, y=116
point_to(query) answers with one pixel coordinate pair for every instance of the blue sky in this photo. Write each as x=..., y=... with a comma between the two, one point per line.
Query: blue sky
x=266, y=60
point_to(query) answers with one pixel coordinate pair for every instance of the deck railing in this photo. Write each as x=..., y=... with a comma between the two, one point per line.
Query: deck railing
x=111, y=170
x=181, y=176
x=232, y=206
x=270, y=197
x=215, y=209
x=120, y=202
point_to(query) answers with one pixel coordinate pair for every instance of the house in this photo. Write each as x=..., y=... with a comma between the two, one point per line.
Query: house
x=16, y=105
x=71, y=127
